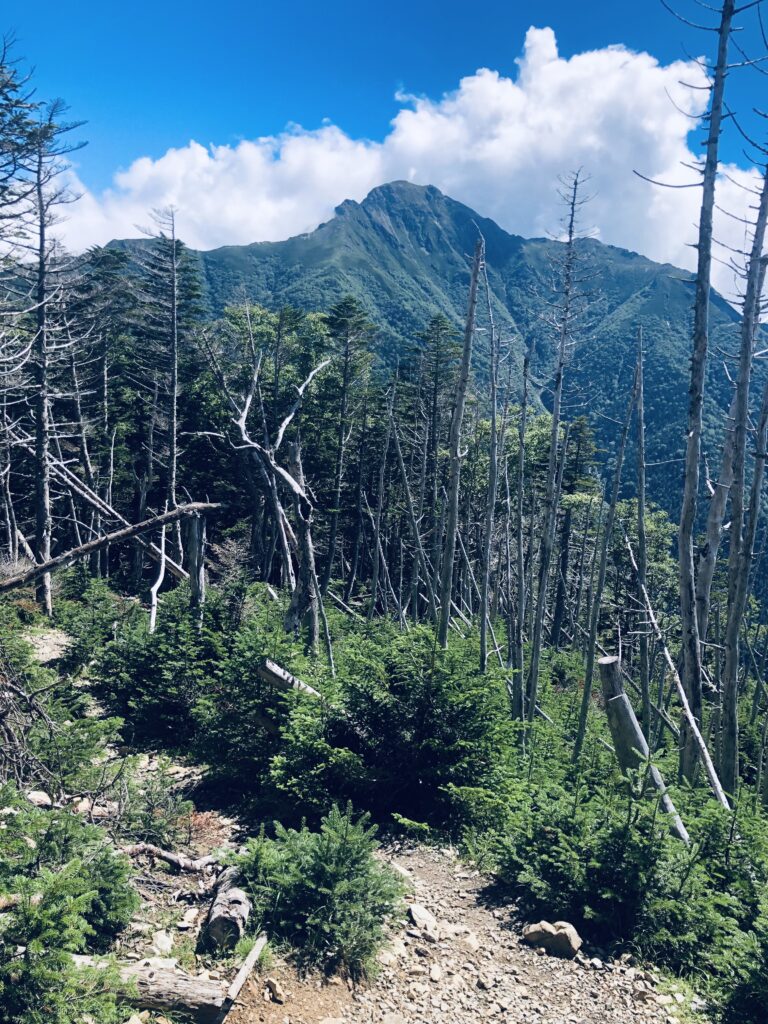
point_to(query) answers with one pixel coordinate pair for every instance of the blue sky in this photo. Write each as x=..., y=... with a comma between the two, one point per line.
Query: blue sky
x=256, y=120
x=148, y=76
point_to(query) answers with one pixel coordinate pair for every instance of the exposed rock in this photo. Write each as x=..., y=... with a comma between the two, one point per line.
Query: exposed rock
x=275, y=990
x=162, y=942
x=38, y=798
x=96, y=811
x=189, y=920
x=422, y=918
x=559, y=939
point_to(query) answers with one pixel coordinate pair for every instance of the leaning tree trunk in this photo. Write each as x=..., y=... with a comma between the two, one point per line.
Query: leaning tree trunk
x=632, y=751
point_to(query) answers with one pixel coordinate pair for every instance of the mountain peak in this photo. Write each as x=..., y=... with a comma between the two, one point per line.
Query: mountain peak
x=393, y=194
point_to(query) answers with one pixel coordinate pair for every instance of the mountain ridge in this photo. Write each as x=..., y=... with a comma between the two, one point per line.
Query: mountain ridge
x=405, y=252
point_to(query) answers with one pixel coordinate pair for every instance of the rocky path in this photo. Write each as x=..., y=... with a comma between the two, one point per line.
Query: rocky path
x=459, y=960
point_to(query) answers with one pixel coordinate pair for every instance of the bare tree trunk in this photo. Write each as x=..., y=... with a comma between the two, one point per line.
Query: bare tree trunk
x=642, y=543
x=42, y=398
x=357, y=542
x=452, y=513
x=586, y=698
x=629, y=742
x=195, y=540
x=304, y=600
x=380, y=505
x=741, y=543
x=338, y=473
x=518, y=686
x=550, y=506
x=691, y=646
x=173, y=423
x=493, y=476
x=155, y=589
x=421, y=558
x=145, y=477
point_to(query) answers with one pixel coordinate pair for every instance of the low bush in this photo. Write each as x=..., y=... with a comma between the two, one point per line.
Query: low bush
x=39, y=981
x=64, y=891
x=35, y=840
x=323, y=892
x=406, y=721
x=154, y=680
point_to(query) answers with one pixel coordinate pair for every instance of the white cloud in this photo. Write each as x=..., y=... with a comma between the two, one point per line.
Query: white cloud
x=497, y=143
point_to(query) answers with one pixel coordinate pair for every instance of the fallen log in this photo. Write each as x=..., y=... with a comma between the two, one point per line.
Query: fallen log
x=714, y=780
x=149, y=986
x=229, y=913
x=73, y=482
x=271, y=672
x=245, y=972
x=231, y=908
x=630, y=744
x=176, y=860
x=125, y=533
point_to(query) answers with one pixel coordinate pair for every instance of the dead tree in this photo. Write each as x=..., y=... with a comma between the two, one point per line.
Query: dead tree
x=564, y=324
x=691, y=645
x=380, y=505
x=304, y=596
x=741, y=544
x=493, y=477
x=452, y=503
x=194, y=539
x=594, y=621
x=642, y=543
x=518, y=684
x=46, y=167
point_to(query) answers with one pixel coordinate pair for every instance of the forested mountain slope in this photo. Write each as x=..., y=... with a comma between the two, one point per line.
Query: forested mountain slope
x=404, y=252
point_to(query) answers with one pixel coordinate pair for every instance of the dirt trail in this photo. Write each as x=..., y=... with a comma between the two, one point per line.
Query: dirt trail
x=49, y=644
x=472, y=968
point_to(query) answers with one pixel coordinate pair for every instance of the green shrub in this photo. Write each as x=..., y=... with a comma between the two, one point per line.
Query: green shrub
x=603, y=857
x=34, y=841
x=90, y=613
x=323, y=892
x=153, y=680
x=746, y=995
x=39, y=982
x=406, y=721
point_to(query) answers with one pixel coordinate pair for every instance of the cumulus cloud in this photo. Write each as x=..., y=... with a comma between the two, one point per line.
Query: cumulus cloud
x=497, y=143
